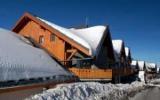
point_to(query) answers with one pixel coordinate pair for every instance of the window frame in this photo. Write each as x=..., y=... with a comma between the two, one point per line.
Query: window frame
x=52, y=37
x=41, y=39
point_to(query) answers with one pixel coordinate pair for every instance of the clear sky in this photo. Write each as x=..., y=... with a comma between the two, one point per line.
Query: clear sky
x=137, y=22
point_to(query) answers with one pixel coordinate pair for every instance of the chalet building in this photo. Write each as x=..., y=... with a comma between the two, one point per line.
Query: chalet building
x=151, y=67
x=86, y=47
x=141, y=65
x=134, y=66
x=119, y=51
x=128, y=56
x=151, y=70
x=142, y=69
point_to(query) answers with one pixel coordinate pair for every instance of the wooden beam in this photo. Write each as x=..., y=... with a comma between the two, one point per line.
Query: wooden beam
x=72, y=51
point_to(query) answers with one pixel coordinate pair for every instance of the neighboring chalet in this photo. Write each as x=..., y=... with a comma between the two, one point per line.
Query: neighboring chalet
x=151, y=70
x=80, y=48
x=142, y=69
x=141, y=66
x=151, y=67
x=128, y=56
x=120, y=56
x=134, y=66
x=119, y=51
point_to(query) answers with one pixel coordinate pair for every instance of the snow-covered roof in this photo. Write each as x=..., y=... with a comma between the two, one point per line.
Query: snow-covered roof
x=134, y=63
x=19, y=60
x=141, y=65
x=127, y=50
x=90, y=38
x=150, y=65
x=94, y=36
x=117, y=45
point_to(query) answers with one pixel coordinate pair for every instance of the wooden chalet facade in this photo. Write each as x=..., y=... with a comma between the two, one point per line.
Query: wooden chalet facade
x=60, y=46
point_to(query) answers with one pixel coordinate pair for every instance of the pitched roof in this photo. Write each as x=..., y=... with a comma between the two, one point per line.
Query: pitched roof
x=141, y=65
x=134, y=63
x=90, y=38
x=117, y=45
x=127, y=51
x=20, y=60
x=88, y=42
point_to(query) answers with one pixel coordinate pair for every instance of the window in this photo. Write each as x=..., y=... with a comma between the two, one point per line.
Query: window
x=41, y=39
x=52, y=37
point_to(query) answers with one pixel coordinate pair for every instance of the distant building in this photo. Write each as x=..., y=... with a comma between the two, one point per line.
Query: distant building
x=119, y=51
x=141, y=68
x=128, y=56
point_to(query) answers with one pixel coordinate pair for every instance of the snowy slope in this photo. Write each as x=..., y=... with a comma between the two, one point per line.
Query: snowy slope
x=91, y=38
x=89, y=91
x=117, y=45
x=19, y=60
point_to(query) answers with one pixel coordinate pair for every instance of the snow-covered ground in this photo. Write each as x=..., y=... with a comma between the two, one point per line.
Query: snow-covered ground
x=89, y=91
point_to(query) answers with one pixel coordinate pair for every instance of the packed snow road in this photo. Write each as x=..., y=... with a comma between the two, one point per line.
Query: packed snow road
x=151, y=93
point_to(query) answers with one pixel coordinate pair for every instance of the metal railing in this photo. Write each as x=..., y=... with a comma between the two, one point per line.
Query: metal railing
x=79, y=63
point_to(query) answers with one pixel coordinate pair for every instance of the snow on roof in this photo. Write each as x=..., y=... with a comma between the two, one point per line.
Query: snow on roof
x=92, y=35
x=127, y=50
x=141, y=65
x=117, y=45
x=90, y=38
x=150, y=65
x=134, y=63
x=19, y=60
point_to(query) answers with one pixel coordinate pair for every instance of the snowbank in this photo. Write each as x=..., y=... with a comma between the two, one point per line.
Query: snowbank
x=94, y=36
x=89, y=91
x=19, y=60
x=141, y=76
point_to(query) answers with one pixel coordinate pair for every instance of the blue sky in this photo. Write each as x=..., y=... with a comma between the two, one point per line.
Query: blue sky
x=137, y=22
